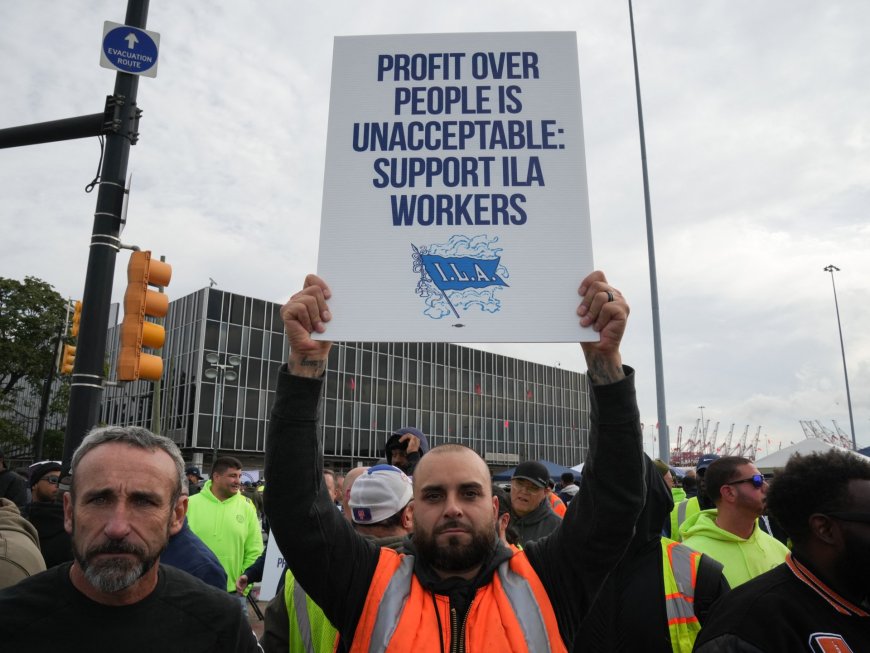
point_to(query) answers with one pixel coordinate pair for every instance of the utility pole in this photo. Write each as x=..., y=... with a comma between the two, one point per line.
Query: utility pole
x=86, y=389
x=119, y=124
x=664, y=435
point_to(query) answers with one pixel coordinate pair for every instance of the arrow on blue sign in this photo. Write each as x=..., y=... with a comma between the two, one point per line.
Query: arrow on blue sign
x=130, y=50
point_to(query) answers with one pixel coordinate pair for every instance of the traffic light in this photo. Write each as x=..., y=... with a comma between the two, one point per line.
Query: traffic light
x=67, y=359
x=76, y=319
x=136, y=332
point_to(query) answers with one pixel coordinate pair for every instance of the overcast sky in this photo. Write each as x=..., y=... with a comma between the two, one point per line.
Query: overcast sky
x=757, y=118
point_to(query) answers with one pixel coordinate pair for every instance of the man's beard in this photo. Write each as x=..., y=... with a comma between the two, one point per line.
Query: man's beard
x=41, y=497
x=854, y=565
x=455, y=556
x=115, y=574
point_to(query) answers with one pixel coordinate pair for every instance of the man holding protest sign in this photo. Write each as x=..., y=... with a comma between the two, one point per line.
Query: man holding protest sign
x=458, y=584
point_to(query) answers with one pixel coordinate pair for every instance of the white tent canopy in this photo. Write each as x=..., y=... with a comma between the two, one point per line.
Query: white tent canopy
x=778, y=459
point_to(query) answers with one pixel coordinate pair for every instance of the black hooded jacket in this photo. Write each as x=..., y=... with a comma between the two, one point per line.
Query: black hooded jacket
x=54, y=542
x=414, y=456
x=630, y=612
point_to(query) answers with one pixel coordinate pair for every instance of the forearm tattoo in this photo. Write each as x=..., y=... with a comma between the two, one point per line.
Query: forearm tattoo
x=601, y=372
x=307, y=366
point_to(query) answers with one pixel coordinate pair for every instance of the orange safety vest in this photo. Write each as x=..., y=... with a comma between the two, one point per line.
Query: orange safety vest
x=511, y=613
x=557, y=504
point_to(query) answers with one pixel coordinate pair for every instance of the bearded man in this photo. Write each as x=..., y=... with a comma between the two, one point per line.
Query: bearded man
x=457, y=587
x=125, y=502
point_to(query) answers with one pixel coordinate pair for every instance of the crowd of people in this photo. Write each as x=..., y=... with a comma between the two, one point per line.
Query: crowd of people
x=421, y=552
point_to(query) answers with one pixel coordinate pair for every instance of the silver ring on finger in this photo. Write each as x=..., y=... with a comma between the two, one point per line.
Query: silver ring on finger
x=609, y=296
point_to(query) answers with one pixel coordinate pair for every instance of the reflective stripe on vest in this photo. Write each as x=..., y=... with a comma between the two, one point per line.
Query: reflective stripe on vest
x=680, y=573
x=392, y=603
x=514, y=604
x=525, y=607
x=310, y=630
x=681, y=512
x=300, y=607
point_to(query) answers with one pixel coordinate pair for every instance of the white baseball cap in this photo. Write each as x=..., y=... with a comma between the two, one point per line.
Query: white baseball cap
x=378, y=494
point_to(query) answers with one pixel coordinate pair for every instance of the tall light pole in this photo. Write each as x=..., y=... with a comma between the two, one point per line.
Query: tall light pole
x=664, y=435
x=832, y=269
x=223, y=372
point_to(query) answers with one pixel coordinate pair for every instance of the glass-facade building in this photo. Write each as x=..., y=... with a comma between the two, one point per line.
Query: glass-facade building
x=505, y=408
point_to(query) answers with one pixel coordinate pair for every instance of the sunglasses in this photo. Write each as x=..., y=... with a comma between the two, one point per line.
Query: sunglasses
x=54, y=480
x=851, y=516
x=757, y=481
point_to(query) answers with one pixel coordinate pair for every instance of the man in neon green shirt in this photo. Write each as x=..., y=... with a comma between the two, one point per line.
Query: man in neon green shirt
x=730, y=532
x=226, y=520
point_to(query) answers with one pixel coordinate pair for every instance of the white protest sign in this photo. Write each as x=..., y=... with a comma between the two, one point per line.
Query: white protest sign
x=455, y=204
x=273, y=567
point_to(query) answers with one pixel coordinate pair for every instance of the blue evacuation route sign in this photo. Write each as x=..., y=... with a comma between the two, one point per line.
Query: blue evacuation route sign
x=129, y=49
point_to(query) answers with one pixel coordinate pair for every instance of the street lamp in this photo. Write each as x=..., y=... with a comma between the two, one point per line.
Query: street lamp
x=832, y=269
x=223, y=372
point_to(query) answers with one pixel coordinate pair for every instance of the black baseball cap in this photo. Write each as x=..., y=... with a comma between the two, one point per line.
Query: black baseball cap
x=534, y=472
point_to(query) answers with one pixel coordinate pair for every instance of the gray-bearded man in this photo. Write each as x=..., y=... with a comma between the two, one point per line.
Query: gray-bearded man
x=125, y=503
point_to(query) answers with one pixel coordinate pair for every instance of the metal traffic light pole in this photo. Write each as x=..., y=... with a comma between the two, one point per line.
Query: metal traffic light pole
x=86, y=389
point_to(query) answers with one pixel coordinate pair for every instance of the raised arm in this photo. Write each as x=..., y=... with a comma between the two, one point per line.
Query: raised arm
x=574, y=561
x=305, y=313
x=328, y=558
x=604, y=309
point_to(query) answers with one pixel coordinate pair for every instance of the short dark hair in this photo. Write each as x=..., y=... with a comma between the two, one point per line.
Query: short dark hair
x=721, y=472
x=391, y=522
x=814, y=483
x=504, y=506
x=224, y=463
x=567, y=478
x=504, y=499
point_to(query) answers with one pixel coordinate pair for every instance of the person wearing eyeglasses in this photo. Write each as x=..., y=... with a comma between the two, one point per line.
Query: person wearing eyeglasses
x=819, y=599
x=45, y=512
x=531, y=514
x=729, y=533
x=44, y=480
